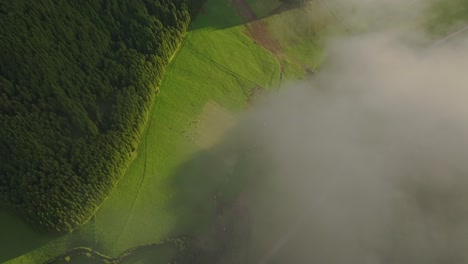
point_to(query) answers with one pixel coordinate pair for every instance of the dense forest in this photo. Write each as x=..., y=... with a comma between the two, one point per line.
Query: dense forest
x=77, y=80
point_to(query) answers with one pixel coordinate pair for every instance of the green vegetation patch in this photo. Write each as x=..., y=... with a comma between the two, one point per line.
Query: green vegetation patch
x=217, y=15
x=173, y=186
x=147, y=205
x=163, y=194
x=447, y=15
x=77, y=79
x=265, y=7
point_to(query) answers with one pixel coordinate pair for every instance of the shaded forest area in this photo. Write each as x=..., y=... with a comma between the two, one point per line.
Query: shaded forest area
x=77, y=80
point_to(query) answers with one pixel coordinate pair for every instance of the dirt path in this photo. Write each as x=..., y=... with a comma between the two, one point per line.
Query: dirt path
x=257, y=29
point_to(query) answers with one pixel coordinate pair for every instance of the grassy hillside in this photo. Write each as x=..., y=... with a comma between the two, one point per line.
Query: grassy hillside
x=199, y=75
x=165, y=193
x=178, y=184
x=218, y=63
x=77, y=82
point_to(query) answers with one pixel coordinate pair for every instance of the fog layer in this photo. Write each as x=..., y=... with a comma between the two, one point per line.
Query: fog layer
x=366, y=162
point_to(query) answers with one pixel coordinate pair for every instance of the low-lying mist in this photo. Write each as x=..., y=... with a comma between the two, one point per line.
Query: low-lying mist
x=365, y=162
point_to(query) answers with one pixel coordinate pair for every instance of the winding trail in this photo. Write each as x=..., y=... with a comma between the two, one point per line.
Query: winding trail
x=144, y=145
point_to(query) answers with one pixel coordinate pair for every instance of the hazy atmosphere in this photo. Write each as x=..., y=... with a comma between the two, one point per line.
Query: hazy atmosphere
x=366, y=160
x=234, y=131
x=373, y=150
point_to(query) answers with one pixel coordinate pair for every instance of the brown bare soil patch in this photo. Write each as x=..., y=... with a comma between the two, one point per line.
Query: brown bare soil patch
x=257, y=29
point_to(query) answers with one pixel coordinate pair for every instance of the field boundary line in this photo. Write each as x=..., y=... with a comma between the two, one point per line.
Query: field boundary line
x=330, y=10
x=219, y=65
x=145, y=138
x=450, y=36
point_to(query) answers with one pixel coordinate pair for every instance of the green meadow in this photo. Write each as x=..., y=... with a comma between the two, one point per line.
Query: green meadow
x=165, y=192
x=202, y=72
x=216, y=63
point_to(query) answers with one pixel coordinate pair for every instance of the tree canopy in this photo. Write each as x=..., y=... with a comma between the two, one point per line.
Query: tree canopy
x=77, y=80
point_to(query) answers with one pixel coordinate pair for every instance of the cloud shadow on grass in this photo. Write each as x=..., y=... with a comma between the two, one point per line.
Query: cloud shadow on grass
x=209, y=203
x=17, y=237
x=221, y=14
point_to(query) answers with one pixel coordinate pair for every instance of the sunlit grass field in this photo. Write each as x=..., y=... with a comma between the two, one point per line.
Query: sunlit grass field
x=203, y=71
x=162, y=195
x=216, y=62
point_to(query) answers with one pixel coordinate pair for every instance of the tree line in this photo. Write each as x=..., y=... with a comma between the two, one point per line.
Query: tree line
x=77, y=80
